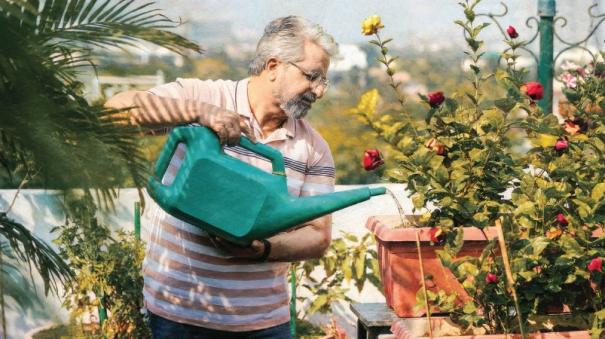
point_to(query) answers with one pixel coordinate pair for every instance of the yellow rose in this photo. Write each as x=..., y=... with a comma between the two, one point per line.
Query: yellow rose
x=371, y=25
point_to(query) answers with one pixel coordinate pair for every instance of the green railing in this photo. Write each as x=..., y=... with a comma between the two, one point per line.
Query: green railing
x=548, y=35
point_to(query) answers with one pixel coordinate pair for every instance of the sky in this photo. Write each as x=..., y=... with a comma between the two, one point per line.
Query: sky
x=409, y=22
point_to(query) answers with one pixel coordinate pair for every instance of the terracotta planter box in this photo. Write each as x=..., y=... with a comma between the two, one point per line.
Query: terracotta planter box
x=400, y=267
x=443, y=328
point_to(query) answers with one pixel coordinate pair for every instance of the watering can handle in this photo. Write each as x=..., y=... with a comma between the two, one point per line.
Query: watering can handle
x=177, y=136
x=277, y=160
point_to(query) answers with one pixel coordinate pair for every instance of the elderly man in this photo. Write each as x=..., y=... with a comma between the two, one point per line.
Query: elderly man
x=201, y=286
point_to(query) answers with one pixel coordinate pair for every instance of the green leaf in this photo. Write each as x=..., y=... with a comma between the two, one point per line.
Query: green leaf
x=538, y=245
x=469, y=308
x=418, y=200
x=598, y=191
x=360, y=265
x=505, y=104
x=527, y=207
x=528, y=275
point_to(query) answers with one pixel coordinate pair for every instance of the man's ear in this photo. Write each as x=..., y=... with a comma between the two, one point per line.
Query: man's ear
x=271, y=68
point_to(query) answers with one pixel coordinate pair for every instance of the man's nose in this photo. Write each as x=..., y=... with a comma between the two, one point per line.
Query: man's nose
x=319, y=91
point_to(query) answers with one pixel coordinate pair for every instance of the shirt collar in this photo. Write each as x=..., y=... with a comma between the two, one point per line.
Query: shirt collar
x=288, y=129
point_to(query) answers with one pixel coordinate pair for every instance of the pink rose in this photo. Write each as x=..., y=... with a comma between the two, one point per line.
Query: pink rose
x=491, y=278
x=562, y=220
x=561, y=144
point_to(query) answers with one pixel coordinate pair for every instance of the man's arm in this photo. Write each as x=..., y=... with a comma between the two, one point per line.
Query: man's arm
x=146, y=109
x=309, y=241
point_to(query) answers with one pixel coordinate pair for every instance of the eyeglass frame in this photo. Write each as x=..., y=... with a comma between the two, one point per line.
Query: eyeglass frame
x=315, y=79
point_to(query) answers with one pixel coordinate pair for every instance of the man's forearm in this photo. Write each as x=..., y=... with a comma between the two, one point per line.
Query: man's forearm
x=146, y=109
x=307, y=242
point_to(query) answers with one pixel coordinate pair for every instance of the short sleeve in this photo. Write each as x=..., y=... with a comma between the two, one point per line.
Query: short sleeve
x=320, y=176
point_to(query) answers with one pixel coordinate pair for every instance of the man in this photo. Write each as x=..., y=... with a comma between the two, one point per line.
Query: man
x=201, y=286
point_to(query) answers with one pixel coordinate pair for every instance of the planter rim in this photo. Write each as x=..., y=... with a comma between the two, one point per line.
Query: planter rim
x=401, y=331
x=381, y=226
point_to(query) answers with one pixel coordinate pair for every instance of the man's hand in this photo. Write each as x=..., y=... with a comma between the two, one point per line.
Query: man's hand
x=227, y=125
x=254, y=251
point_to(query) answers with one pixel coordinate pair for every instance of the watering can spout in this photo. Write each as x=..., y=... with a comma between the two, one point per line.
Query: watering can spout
x=304, y=209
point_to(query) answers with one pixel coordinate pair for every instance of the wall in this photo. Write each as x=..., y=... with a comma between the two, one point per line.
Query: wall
x=39, y=210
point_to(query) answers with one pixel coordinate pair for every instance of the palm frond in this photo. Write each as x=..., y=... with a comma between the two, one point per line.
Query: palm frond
x=29, y=248
x=46, y=126
x=19, y=291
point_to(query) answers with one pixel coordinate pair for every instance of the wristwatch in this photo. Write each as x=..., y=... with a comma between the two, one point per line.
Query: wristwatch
x=266, y=251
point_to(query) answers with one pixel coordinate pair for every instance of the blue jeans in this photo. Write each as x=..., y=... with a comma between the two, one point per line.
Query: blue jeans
x=162, y=328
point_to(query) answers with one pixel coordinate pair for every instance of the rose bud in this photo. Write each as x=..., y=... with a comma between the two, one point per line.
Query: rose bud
x=436, y=146
x=512, y=32
x=372, y=159
x=596, y=264
x=562, y=220
x=491, y=278
x=533, y=89
x=437, y=235
x=435, y=98
x=561, y=144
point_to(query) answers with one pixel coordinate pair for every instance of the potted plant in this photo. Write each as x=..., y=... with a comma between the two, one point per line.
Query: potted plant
x=107, y=269
x=459, y=163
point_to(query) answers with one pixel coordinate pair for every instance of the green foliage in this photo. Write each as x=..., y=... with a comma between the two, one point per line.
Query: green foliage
x=469, y=151
x=50, y=136
x=107, y=271
x=349, y=259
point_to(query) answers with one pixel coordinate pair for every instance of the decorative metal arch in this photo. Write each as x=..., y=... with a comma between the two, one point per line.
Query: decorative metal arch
x=545, y=28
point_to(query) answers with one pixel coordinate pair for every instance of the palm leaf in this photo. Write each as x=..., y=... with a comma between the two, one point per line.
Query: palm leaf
x=18, y=291
x=46, y=125
x=27, y=247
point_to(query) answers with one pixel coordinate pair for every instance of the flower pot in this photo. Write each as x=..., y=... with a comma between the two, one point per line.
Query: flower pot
x=400, y=267
x=444, y=328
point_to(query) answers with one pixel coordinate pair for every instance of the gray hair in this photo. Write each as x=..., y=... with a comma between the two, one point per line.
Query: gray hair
x=284, y=39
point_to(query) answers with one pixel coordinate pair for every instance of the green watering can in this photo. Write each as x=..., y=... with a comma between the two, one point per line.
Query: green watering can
x=233, y=199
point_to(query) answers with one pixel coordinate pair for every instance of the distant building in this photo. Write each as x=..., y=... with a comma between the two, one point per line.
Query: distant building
x=105, y=86
x=350, y=56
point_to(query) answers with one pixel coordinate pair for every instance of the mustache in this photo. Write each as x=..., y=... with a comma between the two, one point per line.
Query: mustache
x=309, y=96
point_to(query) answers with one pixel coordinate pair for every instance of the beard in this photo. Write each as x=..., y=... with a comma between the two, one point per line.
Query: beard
x=298, y=106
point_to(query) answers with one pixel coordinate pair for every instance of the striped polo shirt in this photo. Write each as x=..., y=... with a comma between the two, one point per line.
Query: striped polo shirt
x=187, y=280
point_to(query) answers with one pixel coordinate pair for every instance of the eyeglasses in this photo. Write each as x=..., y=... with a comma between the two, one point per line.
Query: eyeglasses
x=316, y=79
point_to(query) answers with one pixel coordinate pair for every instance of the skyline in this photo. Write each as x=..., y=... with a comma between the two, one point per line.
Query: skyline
x=408, y=22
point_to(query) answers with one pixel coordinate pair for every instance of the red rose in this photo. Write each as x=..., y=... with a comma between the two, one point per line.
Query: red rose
x=596, y=265
x=372, y=159
x=512, y=32
x=436, y=234
x=561, y=144
x=562, y=220
x=533, y=89
x=491, y=278
x=436, y=98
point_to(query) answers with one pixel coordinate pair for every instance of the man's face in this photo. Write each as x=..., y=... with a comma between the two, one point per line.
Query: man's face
x=301, y=83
